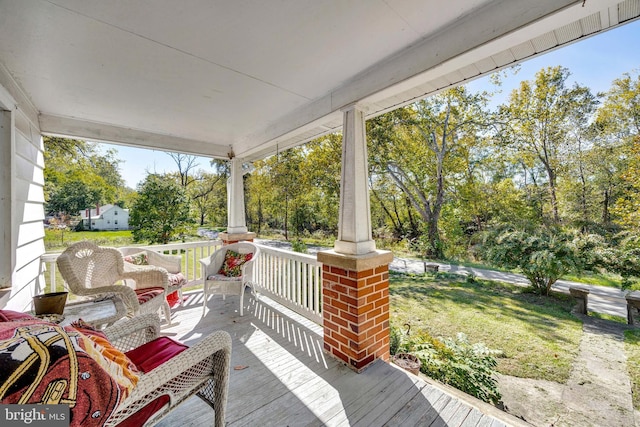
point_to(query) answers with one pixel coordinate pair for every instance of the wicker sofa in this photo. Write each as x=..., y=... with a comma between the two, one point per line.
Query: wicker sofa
x=172, y=263
x=154, y=375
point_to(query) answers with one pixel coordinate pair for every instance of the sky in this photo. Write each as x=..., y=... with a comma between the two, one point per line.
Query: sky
x=594, y=62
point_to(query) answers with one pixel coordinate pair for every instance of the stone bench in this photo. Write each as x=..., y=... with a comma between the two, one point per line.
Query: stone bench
x=581, y=295
x=432, y=268
x=633, y=306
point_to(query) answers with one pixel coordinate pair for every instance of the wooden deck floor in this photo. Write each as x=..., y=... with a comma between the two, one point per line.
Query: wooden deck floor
x=281, y=377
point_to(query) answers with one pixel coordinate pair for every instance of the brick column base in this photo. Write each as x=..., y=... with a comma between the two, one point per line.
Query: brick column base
x=229, y=238
x=355, y=306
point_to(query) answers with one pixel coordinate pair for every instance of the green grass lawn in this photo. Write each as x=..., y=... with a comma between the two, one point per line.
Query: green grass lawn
x=57, y=241
x=538, y=336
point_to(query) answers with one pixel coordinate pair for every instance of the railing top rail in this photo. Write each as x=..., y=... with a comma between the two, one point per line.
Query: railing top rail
x=296, y=256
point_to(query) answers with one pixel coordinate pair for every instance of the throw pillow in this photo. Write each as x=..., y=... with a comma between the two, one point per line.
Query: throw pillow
x=140, y=258
x=232, y=265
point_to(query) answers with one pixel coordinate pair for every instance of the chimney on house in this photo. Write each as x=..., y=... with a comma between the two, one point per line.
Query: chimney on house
x=87, y=212
x=97, y=209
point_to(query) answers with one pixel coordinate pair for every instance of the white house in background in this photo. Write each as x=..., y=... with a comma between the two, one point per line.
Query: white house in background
x=107, y=217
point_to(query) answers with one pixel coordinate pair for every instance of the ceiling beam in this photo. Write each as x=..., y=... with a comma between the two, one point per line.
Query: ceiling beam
x=100, y=132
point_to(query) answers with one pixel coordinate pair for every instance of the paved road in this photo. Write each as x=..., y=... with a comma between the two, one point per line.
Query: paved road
x=601, y=299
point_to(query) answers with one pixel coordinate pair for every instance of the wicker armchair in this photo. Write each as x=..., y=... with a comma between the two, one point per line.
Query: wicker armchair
x=216, y=283
x=202, y=369
x=171, y=263
x=91, y=270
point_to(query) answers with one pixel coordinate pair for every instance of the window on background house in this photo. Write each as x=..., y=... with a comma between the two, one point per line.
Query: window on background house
x=115, y=222
x=115, y=212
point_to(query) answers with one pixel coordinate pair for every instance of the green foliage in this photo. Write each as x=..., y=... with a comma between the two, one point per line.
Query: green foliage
x=543, y=255
x=297, y=245
x=465, y=366
x=78, y=176
x=161, y=210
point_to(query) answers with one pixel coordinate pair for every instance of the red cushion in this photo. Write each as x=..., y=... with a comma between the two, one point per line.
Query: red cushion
x=147, y=294
x=155, y=353
x=141, y=417
x=147, y=357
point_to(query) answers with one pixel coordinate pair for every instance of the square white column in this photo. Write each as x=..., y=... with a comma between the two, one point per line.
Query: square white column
x=354, y=225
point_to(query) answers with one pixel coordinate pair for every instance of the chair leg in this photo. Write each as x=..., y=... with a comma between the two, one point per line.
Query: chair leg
x=167, y=311
x=242, y=300
x=204, y=299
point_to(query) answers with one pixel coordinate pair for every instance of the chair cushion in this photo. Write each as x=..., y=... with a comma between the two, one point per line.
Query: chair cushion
x=177, y=279
x=141, y=258
x=147, y=294
x=147, y=357
x=154, y=353
x=232, y=265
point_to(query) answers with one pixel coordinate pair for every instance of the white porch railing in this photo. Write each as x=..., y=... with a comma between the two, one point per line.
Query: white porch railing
x=291, y=278
x=191, y=253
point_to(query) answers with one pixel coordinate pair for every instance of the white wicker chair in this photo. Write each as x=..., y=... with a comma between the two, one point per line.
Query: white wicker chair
x=91, y=270
x=202, y=369
x=215, y=283
x=171, y=263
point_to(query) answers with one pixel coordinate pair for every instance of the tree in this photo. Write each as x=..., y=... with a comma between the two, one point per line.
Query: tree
x=78, y=176
x=160, y=211
x=538, y=120
x=207, y=193
x=186, y=163
x=423, y=145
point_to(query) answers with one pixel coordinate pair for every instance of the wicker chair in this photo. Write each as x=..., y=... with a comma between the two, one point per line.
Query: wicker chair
x=216, y=283
x=91, y=270
x=202, y=369
x=171, y=263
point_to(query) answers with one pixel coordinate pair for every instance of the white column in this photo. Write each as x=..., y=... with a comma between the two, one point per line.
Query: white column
x=236, y=222
x=354, y=226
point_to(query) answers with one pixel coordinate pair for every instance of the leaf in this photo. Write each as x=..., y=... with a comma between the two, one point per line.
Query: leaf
x=240, y=367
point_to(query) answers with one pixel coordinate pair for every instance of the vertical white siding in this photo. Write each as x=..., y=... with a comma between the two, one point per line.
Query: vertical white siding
x=21, y=224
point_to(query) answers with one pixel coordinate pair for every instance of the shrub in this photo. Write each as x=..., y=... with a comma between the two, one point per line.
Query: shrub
x=543, y=256
x=458, y=363
x=298, y=245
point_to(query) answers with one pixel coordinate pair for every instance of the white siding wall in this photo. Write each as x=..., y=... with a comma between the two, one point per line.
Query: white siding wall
x=21, y=225
x=116, y=214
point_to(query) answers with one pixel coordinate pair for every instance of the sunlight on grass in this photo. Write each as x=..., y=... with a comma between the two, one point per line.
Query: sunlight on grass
x=632, y=349
x=538, y=335
x=608, y=280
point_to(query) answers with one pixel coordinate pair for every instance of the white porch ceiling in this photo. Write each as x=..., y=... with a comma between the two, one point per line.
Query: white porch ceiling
x=201, y=76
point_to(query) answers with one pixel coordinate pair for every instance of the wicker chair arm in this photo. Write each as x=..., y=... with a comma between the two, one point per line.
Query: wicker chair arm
x=248, y=267
x=203, y=368
x=171, y=263
x=131, y=333
x=146, y=276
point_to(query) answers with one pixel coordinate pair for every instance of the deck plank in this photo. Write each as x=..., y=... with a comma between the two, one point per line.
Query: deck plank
x=288, y=379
